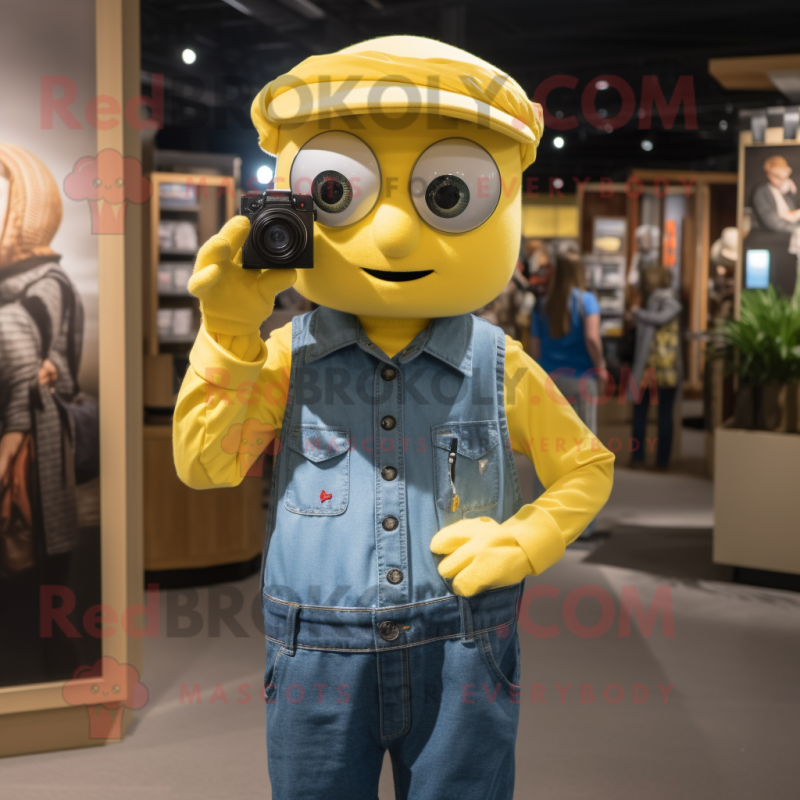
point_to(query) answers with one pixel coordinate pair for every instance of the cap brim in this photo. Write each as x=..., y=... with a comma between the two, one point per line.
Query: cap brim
x=311, y=101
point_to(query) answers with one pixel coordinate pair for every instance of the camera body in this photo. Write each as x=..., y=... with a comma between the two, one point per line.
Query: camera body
x=281, y=230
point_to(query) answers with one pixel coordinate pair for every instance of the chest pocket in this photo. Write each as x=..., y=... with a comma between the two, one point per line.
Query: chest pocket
x=477, y=465
x=318, y=477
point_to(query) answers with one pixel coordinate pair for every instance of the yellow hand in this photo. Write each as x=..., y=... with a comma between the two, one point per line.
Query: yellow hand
x=234, y=301
x=481, y=555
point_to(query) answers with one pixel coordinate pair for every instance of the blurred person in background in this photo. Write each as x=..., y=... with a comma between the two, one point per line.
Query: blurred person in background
x=565, y=338
x=505, y=309
x=538, y=265
x=657, y=361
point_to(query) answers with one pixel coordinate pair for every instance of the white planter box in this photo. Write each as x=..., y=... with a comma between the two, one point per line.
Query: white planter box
x=757, y=499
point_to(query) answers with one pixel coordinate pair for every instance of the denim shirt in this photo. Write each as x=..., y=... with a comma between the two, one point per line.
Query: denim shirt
x=362, y=480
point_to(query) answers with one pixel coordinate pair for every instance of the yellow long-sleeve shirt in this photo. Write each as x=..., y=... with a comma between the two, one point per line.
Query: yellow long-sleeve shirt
x=233, y=398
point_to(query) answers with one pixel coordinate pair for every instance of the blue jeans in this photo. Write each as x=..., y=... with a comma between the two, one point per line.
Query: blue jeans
x=446, y=710
x=666, y=404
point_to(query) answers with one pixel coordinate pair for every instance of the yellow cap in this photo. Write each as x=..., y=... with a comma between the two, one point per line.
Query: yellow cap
x=399, y=77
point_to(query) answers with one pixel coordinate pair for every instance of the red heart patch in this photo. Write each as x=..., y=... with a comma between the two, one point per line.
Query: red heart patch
x=323, y=496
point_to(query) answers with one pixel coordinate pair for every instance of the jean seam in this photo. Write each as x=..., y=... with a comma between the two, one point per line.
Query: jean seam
x=494, y=667
x=502, y=418
x=386, y=609
x=398, y=792
x=380, y=695
x=406, y=710
x=403, y=527
x=397, y=647
x=273, y=678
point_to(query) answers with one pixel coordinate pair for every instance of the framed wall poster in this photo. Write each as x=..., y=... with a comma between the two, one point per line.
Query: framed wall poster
x=768, y=213
x=70, y=374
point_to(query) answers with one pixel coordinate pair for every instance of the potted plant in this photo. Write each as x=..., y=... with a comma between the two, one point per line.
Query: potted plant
x=763, y=351
x=757, y=454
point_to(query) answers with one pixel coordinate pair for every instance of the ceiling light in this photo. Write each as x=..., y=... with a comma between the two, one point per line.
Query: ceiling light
x=558, y=142
x=189, y=56
x=723, y=124
x=647, y=145
x=601, y=86
x=264, y=174
x=558, y=183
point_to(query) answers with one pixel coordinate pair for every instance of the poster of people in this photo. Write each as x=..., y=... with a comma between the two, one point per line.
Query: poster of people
x=49, y=447
x=771, y=251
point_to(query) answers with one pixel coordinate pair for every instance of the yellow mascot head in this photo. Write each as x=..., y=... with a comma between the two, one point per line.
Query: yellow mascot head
x=413, y=151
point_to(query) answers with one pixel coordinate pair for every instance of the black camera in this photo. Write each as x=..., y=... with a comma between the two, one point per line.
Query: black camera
x=281, y=230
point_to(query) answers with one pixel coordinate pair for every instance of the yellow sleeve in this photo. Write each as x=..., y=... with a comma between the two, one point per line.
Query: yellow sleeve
x=230, y=406
x=573, y=466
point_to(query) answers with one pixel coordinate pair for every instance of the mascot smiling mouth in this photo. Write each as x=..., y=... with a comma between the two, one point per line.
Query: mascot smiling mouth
x=397, y=277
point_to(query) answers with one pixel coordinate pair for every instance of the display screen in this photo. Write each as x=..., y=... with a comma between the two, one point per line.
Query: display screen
x=756, y=269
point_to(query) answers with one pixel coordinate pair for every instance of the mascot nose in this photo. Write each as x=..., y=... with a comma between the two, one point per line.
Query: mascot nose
x=396, y=231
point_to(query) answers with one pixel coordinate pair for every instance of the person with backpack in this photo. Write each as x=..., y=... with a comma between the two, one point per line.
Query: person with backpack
x=657, y=364
x=565, y=338
x=41, y=327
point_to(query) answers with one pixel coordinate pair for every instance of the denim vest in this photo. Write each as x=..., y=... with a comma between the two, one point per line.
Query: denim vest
x=362, y=479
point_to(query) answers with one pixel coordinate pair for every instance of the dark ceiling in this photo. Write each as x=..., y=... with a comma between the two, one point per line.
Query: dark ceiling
x=243, y=44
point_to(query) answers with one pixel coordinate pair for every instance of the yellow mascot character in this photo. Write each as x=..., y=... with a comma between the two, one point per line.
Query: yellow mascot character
x=398, y=540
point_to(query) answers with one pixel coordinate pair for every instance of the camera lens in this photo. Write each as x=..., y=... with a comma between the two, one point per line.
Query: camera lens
x=278, y=235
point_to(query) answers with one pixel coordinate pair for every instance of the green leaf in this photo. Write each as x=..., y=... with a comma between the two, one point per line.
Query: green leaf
x=765, y=340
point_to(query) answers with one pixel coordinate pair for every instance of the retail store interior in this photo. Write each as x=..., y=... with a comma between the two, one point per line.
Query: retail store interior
x=660, y=656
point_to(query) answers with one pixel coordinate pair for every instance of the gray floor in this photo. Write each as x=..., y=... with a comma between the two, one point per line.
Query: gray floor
x=730, y=727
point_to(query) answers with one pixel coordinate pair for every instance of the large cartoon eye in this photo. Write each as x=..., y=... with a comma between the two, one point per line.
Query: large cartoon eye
x=94, y=688
x=97, y=182
x=342, y=175
x=332, y=192
x=455, y=185
x=116, y=688
x=119, y=182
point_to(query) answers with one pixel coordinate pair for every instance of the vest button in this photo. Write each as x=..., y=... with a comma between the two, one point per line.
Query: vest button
x=388, y=373
x=390, y=523
x=387, y=423
x=389, y=631
x=394, y=576
x=388, y=473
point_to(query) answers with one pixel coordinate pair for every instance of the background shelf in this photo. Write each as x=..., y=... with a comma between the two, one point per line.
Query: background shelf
x=193, y=207
x=209, y=202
